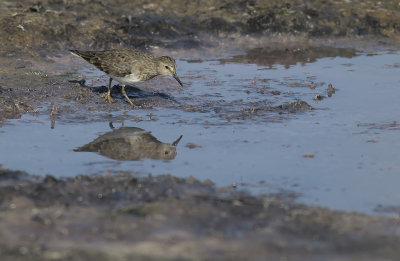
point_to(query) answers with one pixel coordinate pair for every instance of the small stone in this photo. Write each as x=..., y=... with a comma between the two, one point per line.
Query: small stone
x=318, y=97
x=193, y=146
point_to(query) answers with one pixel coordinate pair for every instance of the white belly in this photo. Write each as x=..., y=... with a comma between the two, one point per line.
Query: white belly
x=129, y=79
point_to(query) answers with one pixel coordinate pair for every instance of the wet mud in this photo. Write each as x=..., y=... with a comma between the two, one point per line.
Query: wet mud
x=117, y=215
x=105, y=24
x=289, y=54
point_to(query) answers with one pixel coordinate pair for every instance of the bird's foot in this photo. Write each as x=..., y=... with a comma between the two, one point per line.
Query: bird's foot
x=126, y=96
x=108, y=98
x=130, y=102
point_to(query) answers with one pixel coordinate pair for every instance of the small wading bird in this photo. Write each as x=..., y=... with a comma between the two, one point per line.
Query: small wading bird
x=129, y=66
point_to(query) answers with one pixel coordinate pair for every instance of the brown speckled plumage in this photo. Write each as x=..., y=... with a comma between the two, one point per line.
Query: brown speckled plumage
x=129, y=66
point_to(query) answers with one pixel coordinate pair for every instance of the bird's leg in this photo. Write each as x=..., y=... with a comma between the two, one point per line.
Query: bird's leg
x=108, y=98
x=126, y=96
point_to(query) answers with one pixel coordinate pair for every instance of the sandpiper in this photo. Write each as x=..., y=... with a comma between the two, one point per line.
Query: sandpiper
x=129, y=66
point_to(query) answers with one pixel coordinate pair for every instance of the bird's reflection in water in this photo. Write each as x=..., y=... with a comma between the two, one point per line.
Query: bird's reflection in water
x=131, y=143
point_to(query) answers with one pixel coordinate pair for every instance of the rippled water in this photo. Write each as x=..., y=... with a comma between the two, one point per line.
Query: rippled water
x=343, y=154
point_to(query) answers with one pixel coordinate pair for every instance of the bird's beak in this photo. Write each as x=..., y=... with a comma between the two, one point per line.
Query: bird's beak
x=177, y=78
x=175, y=143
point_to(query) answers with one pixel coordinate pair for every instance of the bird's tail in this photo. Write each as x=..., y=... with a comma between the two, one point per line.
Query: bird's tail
x=87, y=55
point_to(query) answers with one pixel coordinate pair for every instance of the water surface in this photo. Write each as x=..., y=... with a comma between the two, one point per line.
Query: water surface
x=343, y=154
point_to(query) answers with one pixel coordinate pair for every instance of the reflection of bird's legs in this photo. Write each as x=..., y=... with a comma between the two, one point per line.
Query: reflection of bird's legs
x=126, y=96
x=111, y=125
x=108, y=98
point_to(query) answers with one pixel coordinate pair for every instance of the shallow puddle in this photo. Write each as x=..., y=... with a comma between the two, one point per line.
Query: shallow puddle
x=342, y=154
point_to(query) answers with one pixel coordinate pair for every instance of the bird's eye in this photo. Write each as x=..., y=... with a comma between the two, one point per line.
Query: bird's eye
x=166, y=67
x=166, y=152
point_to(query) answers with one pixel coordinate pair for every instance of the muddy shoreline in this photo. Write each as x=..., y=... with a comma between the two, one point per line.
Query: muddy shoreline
x=54, y=25
x=36, y=65
x=116, y=216
x=125, y=216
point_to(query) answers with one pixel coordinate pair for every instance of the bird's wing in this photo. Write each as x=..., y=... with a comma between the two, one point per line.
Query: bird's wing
x=115, y=63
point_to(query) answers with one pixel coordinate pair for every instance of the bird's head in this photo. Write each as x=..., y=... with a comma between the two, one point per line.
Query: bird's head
x=167, y=66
